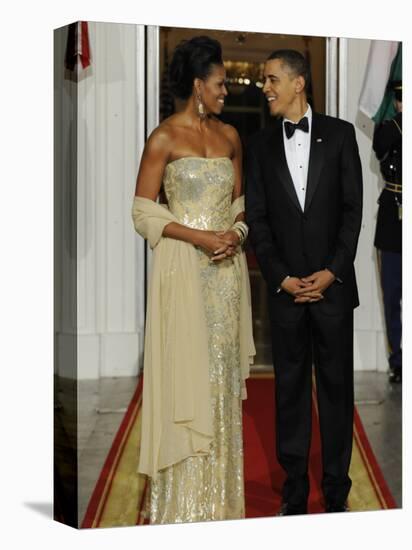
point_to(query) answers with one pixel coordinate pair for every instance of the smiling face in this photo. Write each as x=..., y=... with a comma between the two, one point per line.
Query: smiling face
x=212, y=90
x=282, y=88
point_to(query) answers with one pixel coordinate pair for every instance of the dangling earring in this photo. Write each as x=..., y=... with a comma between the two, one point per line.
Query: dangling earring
x=200, y=107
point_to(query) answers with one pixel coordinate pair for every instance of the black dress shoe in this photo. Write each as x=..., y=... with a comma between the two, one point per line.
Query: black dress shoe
x=395, y=375
x=287, y=510
x=331, y=508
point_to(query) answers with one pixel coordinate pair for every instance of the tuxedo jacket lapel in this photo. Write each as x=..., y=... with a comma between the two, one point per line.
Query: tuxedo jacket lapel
x=277, y=153
x=316, y=159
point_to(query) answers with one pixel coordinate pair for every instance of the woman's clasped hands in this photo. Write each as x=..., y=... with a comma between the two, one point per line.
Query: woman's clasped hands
x=219, y=244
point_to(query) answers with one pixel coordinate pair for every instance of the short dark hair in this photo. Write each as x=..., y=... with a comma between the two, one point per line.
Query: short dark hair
x=295, y=61
x=192, y=59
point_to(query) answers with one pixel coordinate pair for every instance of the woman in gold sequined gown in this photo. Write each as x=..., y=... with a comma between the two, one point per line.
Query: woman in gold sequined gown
x=198, y=161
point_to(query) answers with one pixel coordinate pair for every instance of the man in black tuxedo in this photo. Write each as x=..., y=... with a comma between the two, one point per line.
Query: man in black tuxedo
x=304, y=209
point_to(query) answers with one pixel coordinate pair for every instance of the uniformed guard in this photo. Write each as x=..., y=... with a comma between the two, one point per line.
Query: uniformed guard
x=387, y=144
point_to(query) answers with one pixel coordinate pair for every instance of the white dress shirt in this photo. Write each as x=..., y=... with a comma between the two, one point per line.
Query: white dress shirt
x=297, y=149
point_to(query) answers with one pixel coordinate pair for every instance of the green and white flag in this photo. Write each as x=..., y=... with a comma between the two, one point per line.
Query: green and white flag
x=384, y=65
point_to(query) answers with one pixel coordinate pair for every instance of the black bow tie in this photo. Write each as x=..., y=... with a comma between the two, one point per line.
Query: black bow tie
x=290, y=128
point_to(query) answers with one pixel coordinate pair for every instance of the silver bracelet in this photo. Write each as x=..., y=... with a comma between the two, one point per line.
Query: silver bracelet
x=239, y=234
x=241, y=229
x=242, y=226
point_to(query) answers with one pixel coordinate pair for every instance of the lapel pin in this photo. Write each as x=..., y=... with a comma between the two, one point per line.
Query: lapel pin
x=319, y=140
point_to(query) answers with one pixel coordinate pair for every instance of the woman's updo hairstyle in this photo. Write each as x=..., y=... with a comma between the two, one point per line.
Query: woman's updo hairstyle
x=192, y=59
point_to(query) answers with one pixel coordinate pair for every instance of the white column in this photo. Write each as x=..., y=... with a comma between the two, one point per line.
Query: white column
x=110, y=255
x=370, y=343
x=153, y=98
x=331, y=76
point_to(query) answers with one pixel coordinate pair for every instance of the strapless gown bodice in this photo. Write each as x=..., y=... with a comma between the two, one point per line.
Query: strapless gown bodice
x=199, y=191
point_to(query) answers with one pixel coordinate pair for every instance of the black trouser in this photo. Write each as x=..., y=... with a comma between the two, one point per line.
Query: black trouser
x=327, y=341
x=391, y=278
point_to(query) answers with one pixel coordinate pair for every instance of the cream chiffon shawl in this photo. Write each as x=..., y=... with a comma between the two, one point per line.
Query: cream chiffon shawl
x=176, y=411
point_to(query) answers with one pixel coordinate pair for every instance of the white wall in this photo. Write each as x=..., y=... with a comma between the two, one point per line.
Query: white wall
x=370, y=340
x=110, y=126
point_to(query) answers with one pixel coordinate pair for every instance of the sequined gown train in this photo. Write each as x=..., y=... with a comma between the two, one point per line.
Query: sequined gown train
x=199, y=193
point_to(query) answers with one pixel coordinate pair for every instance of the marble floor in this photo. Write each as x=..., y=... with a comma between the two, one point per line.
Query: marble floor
x=102, y=404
